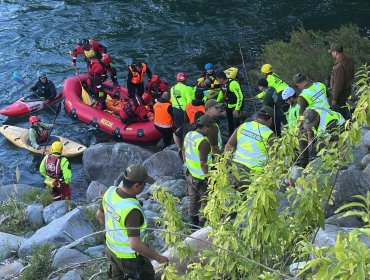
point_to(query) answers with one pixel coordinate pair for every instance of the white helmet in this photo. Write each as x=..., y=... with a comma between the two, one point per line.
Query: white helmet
x=287, y=92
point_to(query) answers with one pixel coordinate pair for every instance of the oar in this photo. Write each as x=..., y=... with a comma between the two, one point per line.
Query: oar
x=57, y=111
x=84, y=94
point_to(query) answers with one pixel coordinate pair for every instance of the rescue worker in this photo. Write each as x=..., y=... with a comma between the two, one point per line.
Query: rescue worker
x=213, y=110
x=57, y=172
x=163, y=118
x=44, y=88
x=135, y=78
x=156, y=87
x=107, y=62
x=197, y=154
x=196, y=105
x=341, y=80
x=97, y=70
x=272, y=100
x=89, y=49
x=312, y=94
x=135, y=111
x=125, y=223
x=274, y=81
x=290, y=97
x=208, y=79
x=38, y=132
x=321, y=123
x=251, y=141
x=233, y=95
x=181, y=95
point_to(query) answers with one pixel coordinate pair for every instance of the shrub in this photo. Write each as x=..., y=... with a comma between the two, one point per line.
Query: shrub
x=39, y=264
x=37, y=196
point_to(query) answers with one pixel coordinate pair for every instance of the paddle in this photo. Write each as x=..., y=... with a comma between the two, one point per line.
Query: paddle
x=84, y=94
x=57, y=111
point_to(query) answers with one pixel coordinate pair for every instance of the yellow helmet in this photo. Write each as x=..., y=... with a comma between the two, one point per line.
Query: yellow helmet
x=57, y=147
x=266, y=68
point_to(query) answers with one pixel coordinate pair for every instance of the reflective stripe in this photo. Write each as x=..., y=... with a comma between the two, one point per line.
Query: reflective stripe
x=219, y=136
x=315, y=96
x=326, y=116
x=252, y=139
x=276, y=82
x=192, y=160
x=116, y=210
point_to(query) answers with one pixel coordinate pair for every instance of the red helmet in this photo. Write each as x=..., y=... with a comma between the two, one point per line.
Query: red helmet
x=181, y=77
x=33, y=119
x=147, y=98
x=106, y=59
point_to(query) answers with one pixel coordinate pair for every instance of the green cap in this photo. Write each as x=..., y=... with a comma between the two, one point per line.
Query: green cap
x=137, y=173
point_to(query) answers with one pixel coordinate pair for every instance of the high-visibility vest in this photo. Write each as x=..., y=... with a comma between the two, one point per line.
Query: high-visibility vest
x=252, y=140
x=138, y=78
x=276, y=82
x=116, y=210
x=161, y=116
x=219, y=138
x=315, y=96
x=181, y=95
x=326, y=116
x=293, y=114
x=192, y=160
x=190, y=111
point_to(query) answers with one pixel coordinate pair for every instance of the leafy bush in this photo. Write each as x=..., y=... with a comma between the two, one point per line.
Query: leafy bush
x=39, y=264
x=37, y=196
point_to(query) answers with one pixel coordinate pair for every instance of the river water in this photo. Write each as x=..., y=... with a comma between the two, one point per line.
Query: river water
x=170, y=35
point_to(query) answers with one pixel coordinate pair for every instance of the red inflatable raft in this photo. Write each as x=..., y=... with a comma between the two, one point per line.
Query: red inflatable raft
x=105, y=121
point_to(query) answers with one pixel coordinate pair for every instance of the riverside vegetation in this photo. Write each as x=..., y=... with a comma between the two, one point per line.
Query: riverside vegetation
x=265, y=237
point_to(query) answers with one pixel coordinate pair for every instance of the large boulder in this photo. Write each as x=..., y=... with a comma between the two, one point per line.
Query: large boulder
x=175, y=187
x=349, y=221
x=10, y=270
x=56, y=210
x=34, y=214
x=14, y=190
x=163, y=163
x=8, y=244
x=359, y=152
x=365, y=161
x=105, y=162
x=348, y=184
x=366, y=138
x=95, y=190
x=66, y=229
x=65, y=257
x=74, y=274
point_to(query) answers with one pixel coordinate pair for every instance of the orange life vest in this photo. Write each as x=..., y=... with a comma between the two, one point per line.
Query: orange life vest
x=190, y=111
x=161, y=116
x=138, y=78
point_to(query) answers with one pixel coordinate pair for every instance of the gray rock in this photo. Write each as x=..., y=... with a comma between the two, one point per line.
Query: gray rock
x=151, y=205
x=34, y=214
x=359, y=151
x=65, y=257
x=95, y=190
x=295, y=268
x=185, y=201
x=8, y=244
x=151, y=218
x=366, y=139
x=175, y=187
x=105, y=162
x=327, y=236
x=75, y=274
x=349, y=183
x=16, y=192
x=296, y=172
x=55, y=210
x=96, y=251
x=365, y=161
x=66, y=229
x=29, y=234
x=8, y=271
x=367, y=169
x=350, y=221
x=164, y=163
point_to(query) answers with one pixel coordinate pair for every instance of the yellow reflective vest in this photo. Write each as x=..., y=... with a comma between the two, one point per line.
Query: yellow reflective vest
x=181, y=95
x=276, y=82
x=252, y=140
x=192, y=160
x=315, y=96
x=326, y=116
x=116, y=210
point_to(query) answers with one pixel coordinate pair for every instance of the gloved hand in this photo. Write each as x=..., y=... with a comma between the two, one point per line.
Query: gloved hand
x=101, y=94
x=56, y=184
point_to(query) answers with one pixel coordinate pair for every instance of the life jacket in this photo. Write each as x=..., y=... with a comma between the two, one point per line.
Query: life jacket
x=116, y=210
x=138, y=78
x=52, y=166
x=89, y=51
x=161, y=116
x=41, y=134
x=315, y=96
x=327, y=116
x=130, y=113
x=190, y=111
x=97, y=69
x=229, y=96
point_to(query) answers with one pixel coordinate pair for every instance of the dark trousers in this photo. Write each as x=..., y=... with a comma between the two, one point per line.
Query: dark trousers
x=167, y=135
x=133, y=89
x=341, y=103
x=232, y=122
x=139, y=268
x=178, y=117
x=196, y=198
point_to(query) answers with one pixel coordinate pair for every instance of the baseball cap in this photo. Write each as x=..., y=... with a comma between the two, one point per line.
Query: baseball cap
x=137, y=173
x=212, y=103
x=299, y=78
x=287, y=92
x=205, y=120
x=266, y=112
x=311, y=118
x=336, y=47
x=262, y=82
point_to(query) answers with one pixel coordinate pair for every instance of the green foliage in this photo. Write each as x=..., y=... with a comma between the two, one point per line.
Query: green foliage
x=306, y=52
x=91, y=215
x=37, y=196
x=39, y=264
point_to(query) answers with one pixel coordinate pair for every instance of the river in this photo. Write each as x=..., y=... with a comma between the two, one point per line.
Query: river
x=171, y=36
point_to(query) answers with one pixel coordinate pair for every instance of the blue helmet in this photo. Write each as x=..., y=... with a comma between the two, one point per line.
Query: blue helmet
x=41, y=74
x=208, y=66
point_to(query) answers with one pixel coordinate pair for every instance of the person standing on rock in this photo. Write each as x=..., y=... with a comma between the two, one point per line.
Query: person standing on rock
x=213, y=110
x=57, y=172
x=163, y=118
x=125, y=225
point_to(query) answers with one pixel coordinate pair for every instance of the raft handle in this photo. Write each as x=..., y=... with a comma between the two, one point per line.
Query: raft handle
x=140, y=133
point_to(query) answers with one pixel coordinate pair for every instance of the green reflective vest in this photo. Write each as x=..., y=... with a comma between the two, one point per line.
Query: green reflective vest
x=252, y=140
x=326, y=116
x=276, y=82
x=315, y=96
x=116, y=210
x=293, y=114
x=192, y=161
x=181, y=95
